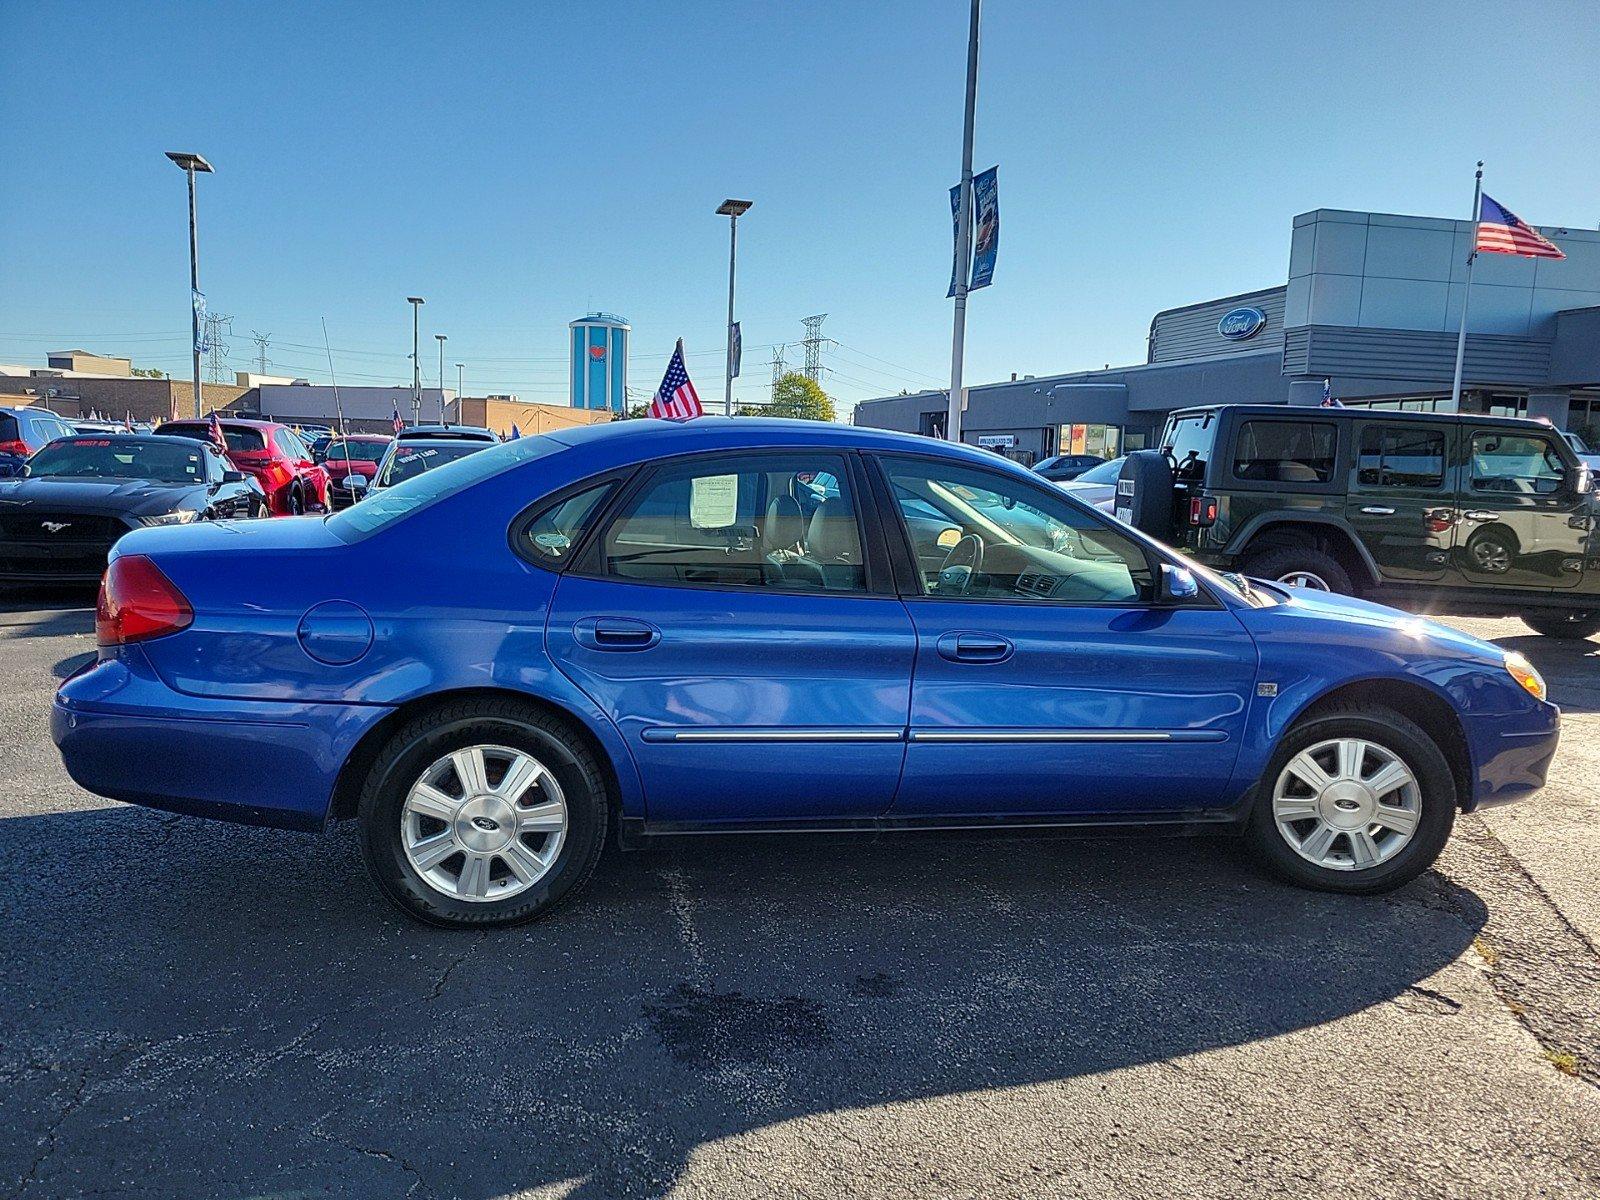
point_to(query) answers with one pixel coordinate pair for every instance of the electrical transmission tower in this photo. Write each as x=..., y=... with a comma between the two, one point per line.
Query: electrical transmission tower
x=813, y=346
x=260, y=340
x=216, y=349
x=779, y=368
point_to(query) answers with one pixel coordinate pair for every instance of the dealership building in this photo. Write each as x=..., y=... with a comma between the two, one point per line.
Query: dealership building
x=1370, y=311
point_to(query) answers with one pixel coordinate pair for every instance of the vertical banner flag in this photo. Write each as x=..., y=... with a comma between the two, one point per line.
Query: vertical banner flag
x=986, y=226
x=198, y=299
x=735, y=351
x=957, y=267
x=676, y=399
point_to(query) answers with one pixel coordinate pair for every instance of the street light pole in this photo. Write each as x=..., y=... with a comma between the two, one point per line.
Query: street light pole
x=189, y=164
x=461, y=375
x=958, y=339
x=441, y=339
x=733, y=210
x=416, y=303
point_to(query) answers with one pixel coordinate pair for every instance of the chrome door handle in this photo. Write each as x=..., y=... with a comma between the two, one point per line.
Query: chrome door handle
x=1479, y=514
x=1378, y=510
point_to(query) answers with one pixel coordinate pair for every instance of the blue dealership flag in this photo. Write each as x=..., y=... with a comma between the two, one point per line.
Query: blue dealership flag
x=198, y=299
x=515, y=433
x=986, y=226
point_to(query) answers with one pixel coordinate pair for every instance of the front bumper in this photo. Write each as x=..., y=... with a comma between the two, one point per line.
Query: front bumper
x=125, y=735
x=1511, y=754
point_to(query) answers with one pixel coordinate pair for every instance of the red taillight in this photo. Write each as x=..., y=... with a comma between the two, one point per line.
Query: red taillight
x=1203, y=511
x=15, y=447
x=138, y=602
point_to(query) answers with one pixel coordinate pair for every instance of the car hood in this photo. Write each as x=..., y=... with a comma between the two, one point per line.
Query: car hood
x=115, y=497
x=1370, y=622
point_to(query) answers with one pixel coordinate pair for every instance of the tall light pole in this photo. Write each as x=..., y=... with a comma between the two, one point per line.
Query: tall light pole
x=461, y=376
x=189, y=164
x=958, y=338
x=441, y=339
x=733, y=210
x=416, y=303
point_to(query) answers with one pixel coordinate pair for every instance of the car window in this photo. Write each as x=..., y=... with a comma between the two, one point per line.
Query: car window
x=411, y=459
x=238, y=438
x=90, y=457
x=393, y=504
x=289, y=445
x=1514, y=463
x=550, y=535
x=354, y=451
x=1188, y=442
x=782, y=521
x=1278, y=451
x=1107, y=472
x=1400, y=456
x=996, y=538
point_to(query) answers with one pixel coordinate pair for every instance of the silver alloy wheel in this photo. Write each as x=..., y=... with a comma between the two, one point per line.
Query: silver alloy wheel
x=484, y=823
x=1347, y=804
x=1305, y=579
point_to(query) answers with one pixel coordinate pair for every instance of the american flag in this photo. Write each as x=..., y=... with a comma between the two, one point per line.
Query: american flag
x=215, y=434
x=1501, y=231
x=399, y=425
x=676, y=399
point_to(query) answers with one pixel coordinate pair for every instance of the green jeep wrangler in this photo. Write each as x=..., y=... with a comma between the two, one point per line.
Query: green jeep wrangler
x=1437, y=511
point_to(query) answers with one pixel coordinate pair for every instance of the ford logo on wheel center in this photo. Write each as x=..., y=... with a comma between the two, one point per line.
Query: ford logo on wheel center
x=1237, y=324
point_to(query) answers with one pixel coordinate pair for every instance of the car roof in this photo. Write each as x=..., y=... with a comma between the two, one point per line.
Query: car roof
x=1307, y=411
x=235, y=422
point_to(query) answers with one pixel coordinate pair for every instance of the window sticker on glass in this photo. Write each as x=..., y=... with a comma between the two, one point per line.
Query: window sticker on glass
x=713, y=501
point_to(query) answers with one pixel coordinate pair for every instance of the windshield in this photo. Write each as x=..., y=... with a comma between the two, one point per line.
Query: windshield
x=1107, y=472
x=244, y=439
x=1187, y=441
x=356, y=451
x=107, y=458
x=474, y=462
x=411, y=461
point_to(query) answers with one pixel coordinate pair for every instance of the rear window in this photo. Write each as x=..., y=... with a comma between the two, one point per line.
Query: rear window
x=1284, y=452
x=242, y=439
x=1188, y=442
x=356, y=451
x=393, y=504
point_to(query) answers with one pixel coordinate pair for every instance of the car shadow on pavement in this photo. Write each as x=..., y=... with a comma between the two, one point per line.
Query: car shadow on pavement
x=216, y=1010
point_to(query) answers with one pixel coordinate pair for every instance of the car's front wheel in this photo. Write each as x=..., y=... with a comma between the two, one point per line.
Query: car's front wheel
x=1568, y=624
x=483, y=813
x=1356, y=799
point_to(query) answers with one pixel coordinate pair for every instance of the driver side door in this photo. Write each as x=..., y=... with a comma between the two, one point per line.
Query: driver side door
x=1048, y=684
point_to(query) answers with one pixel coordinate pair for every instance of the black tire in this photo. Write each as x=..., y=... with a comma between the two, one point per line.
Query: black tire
x=297, y=504
x=1281, y=561
x=1387, y=728
x=1568, y=624
x=421, y=742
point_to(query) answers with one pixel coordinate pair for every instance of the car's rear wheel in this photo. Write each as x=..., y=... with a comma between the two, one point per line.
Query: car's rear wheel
x=1299, y=566
x=1568, y=624
x=297, y=504
x=483, y=813
x=1356, y=799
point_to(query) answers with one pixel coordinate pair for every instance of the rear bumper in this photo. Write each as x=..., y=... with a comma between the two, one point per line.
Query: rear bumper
x=1512, y=754
x=125, y=735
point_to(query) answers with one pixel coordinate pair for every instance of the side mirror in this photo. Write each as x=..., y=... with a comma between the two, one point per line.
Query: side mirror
x=1176, y=585
x=355, y=483
x=233, y=477
x=1583, y=482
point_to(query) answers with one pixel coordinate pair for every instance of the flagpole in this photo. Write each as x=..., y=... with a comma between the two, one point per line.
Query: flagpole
x=1466, y=295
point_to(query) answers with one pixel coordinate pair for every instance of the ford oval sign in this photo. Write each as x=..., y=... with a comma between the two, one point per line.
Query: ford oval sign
x=1237, y=324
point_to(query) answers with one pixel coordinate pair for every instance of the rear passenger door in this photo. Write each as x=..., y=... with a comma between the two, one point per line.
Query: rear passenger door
x=1401, y=498
x=728, y=618
x=1522, y=523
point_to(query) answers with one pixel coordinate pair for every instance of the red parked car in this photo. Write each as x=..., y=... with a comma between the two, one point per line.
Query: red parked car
x=344, y=457
x=274, y=454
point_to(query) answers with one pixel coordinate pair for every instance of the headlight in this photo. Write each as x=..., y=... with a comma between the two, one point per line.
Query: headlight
x=1522, y=671
x=171, y=518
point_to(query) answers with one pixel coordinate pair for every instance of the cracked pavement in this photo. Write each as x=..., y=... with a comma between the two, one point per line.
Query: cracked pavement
x=194, y=1009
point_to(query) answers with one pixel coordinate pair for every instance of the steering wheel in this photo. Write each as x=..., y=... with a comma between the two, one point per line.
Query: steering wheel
x=960, y=567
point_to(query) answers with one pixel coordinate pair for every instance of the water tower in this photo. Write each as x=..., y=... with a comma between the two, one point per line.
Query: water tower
x=600, y=362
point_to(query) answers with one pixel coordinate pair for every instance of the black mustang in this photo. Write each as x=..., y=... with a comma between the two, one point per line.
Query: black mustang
x=80, y=494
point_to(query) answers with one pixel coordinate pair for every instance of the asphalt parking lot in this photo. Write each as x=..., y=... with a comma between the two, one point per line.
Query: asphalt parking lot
x=195, y=1009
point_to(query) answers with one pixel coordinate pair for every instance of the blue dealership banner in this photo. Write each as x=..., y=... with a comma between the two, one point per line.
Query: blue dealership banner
x=198, y=298
x=986, y=226
x=735, y=350
x=957, y=267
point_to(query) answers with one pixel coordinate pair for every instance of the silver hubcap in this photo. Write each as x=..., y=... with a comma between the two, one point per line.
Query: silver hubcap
x=1305, y=579
x=484, y=823
x=1347, y=804
x=1491, y=556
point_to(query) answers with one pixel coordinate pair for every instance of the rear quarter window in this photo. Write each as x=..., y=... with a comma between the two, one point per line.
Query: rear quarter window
x=1278, y=451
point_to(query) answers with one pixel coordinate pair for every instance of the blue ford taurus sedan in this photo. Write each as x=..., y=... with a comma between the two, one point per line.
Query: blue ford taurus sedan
x=656, y=628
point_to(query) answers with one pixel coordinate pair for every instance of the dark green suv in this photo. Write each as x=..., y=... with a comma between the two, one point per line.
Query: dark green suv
x=1446, y=512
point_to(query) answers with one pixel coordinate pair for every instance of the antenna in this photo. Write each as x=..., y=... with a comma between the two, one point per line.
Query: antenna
x=813, y=346
x=260, y=340
x=338, y=406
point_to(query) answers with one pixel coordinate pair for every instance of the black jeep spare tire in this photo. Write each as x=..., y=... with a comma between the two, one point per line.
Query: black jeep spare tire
x=1144, y=493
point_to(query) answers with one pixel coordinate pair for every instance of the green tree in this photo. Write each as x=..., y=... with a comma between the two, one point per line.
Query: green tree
x=794, y=395
x=149, y=373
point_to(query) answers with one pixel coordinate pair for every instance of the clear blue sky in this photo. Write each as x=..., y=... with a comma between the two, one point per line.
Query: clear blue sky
x=519, y=164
